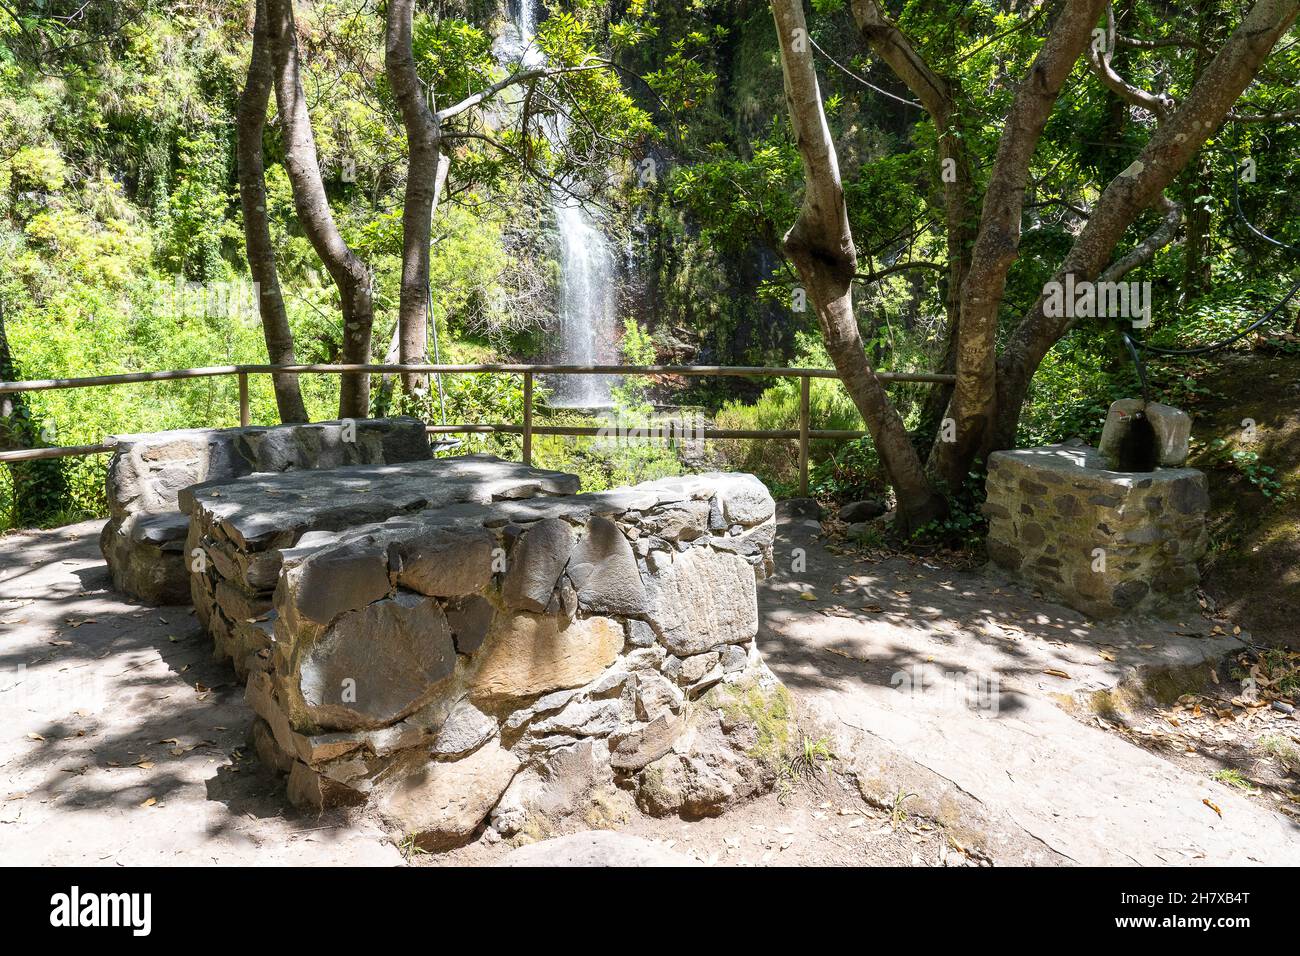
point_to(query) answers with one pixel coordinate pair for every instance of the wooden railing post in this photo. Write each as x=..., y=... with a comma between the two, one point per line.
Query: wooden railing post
x=804, y=390
x=528, y=418
x=245, y=418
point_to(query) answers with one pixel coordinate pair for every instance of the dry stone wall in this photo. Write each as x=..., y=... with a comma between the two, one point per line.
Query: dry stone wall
x=490, y=662
x=143, y=541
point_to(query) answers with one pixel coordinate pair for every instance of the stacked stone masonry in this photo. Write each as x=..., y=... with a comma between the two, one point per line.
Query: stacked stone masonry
x=239, y=528
x=1107, y=543
x=143, y=541
x=478, y=645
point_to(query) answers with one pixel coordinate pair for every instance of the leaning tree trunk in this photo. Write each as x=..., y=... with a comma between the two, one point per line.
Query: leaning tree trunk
x=257, y=230
x=820, y=245
x=351, y=276
x=938, y=95
x=426, y=173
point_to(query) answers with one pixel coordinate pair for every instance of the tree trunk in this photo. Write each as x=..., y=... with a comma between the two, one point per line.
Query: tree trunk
x=938, y=94
x=820, y=245
x=351, y=276
x=257, y=230
x=974, y=398
x=426, y=173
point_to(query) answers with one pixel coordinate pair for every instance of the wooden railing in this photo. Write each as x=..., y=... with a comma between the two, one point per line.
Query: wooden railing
x=804, y=434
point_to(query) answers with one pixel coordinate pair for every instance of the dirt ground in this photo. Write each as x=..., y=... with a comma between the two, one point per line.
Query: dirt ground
x=1205, y=721
x=1253, y=570
x=823, y=821
x=124, y=742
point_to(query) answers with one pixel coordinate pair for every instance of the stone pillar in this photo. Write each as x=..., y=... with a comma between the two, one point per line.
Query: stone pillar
x=1106, y=543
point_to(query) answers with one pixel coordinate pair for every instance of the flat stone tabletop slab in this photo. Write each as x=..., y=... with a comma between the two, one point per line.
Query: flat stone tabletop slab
x=262, y=511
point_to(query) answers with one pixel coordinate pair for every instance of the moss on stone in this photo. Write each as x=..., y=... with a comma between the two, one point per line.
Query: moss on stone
x=1167, y=685
x=769, y=710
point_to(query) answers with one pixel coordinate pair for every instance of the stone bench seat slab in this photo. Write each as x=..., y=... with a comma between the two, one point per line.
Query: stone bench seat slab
x=143, y=540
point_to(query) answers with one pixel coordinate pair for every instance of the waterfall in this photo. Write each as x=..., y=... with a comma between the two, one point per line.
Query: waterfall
x=588, y=328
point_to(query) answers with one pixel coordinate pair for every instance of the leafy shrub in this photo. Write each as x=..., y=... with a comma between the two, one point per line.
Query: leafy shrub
x=965, y=524
x=850, y=472
x=777, y=408
x=38, y=168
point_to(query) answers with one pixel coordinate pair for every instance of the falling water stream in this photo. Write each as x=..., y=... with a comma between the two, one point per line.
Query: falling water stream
x=588, y=332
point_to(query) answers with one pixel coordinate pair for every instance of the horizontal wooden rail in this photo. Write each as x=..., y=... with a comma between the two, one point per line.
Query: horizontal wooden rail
x=804, y=434
x=127, y=378
x=59, y=451
x=632, y=437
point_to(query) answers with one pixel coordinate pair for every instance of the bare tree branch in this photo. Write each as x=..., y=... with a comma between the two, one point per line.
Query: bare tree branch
x=514, y=79
x=1279, y=117
x=1099, y=57
x=1145, y=250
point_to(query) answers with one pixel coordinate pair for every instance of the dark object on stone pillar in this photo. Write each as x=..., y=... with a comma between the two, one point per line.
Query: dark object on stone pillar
x=1137, y=448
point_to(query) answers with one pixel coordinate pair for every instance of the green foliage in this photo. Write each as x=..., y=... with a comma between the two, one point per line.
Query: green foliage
x=735, y=200
x=850, y=472
x=965, y=524
x=38, y=167
x=683, y=80
x=604, y=463
x=777, y=409
x=637, y=348
x=478, y=399
x=453, y=56
x=1072, y=392
x=1234, y=778
x=1247, y=463
x=770, y=711
x=195, y=220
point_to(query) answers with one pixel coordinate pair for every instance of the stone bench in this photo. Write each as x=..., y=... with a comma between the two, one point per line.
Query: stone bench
x=145, y=534
x=500, y=658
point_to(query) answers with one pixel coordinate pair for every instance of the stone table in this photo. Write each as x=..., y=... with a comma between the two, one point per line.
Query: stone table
x=493, y=653
x=239, y=527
